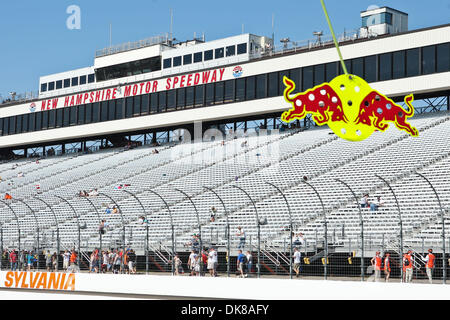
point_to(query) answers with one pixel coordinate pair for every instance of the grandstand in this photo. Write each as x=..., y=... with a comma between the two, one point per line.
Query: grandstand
x=153, y=176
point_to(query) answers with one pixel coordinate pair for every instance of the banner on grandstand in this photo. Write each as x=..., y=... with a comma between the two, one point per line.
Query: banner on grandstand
x=38, y=280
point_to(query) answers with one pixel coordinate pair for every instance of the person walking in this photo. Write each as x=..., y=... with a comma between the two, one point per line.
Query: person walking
x=376, y=264
x=249, y=262
x=240, y=261
x=48, y=261
x=429, y=260
x=387, y=267
x=13, y=260
x=408, y=266
x=297, y=260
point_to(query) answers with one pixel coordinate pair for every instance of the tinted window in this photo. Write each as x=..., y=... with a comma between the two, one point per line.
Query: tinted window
x=187, y=59
x=412, y=62
x=43, y=87
x=398, y=64
x=330, y=71
x=261, y=86
x=91, y=78
x=154, y=103
x=119, y=109
x=74, y=81
x=180, y=97
x=112, y=110
x=209, y=94
x=59, y=118
x=198, y=57
x=104, y=111
x=170, y=100
x=177, y=61
x=6, y=126
x=25, y=119
x=66, y=83
x=73, y=116
x=31, y=123
x=208, y=55
x=250, y=88
x=189, y=97
x=219, y=92
x=307, y=79
x=51, y=118
x=272, y=90
x=66, y=120
x=199, y=95
x=44, y=120
x=51, y=86
x=348, y=65
x=296, y=76
x=59, y=84
x=128, y=107
x=281, y=86
x=12, y=125
x=240, y=89
x=443, y=57
x=319, y=74
x=162, y=101
x=219, y=53
x=428, y=60
x=137, y=106
x=82, y=80
x=1, y=126
x=144, y=104
x=167, y=63
x=385, y=67
x=229, y=91
x=241, y=48
x=88, y=114
x=358, y=67
x=230, y=51
x=370, y=69
x=19, y=124
x=81, y=112
x=96, y=112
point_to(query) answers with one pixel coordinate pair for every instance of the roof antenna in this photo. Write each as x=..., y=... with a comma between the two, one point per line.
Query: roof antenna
x=171, y=25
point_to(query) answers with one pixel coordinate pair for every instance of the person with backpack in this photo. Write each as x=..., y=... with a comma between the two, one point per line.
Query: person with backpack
x=408, y=266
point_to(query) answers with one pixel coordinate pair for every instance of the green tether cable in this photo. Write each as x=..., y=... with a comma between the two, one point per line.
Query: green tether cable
x=334, y=37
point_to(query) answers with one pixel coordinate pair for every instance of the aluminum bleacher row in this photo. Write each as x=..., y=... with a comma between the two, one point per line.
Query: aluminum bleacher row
x=281, y=158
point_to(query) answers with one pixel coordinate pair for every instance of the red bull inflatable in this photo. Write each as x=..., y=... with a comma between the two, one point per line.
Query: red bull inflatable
x=349, y=106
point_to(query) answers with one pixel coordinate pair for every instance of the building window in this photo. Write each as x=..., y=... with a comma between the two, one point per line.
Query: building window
x=208, y=55
x=189, y=97
x=241, y=48
x=428, y=60
x=229, y=91
x=162, y=101
x=412, y=62
x=261, y=91
x=31, y=123
x=25, y=120
x=73, y=116
x=219, y=93
x=199, y=95
x=104, y=111
x=58, y=84
x=59, y=118
x=219, y=53
x=281, y=86
x=240, y=89
x=51, y=118
x=307, y=77
x=81, y=111
x=88, y=114
x=370, y=69
x=95, y=112
x=177, y=61
x=19, y=124
x=66, y=83
x=385, y=67
x=181, y=94
x=66, y=120
x=167, y=63
x=230, y=51
x=398, y=64
x=112, y=110
x=82, y=80
x=154, y=102
x=137, y=106
x=119, y=109
x=443, y=57
x=144, y=104
x=43, y=87
x=358, y=67
x=198, y=57
x=296, y=76
x=250, y=88
x=272, y=85
x=187, y=59
x=128, y=107
x=171, y=100
x=74, y=81
x=209, y=94
x=319, y=74
x=51, y=86
x=91, y=78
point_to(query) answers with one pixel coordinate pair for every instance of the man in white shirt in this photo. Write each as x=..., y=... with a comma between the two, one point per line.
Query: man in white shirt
x=66, y=258
x=191, y=262
x=297, y=261
x=375, y=204
x=212, y=262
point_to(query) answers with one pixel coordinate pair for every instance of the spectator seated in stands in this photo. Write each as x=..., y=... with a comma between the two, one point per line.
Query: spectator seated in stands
x=93, y=193
x=375, y=204
x=142, y=220
x=364, y=202
x=8, y=196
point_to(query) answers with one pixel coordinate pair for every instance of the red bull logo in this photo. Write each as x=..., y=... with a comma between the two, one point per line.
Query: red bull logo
x=349, y=106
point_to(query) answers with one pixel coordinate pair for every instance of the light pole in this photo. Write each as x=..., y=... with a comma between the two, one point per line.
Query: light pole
x=444, y=267
x=57, y=227
x=37, y=228
x=199, y=228
x=258, y=225
x=361, y=222
x=172, y=226
x=79, y=228
x=146, y=227
x=291, y=226
x=228, y=228
x=400, y=221
x=325, y=267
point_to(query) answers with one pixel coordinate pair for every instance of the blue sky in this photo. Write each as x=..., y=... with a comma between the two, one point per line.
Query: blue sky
x=35, y=40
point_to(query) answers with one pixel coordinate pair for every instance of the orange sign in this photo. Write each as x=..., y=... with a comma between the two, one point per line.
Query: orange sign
x=40, y=280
